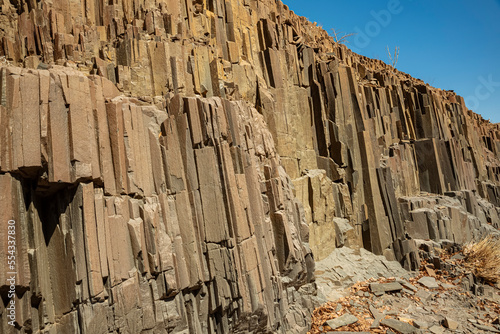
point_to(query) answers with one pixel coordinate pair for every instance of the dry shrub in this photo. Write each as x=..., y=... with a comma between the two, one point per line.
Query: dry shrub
x=483, y=258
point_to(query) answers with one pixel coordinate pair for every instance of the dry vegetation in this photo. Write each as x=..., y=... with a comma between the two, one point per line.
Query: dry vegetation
x=332, y=310
x=4, y=61
x=483, y=258
x=393, y=57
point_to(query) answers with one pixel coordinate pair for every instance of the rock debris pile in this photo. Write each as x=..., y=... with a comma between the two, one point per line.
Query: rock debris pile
x=444, y=297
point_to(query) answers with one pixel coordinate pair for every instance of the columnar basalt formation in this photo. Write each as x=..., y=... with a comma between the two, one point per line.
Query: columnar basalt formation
x=173, y=166
x=132, y=219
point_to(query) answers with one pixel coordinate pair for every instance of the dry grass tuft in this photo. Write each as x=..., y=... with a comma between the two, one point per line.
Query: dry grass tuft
x=483, y=258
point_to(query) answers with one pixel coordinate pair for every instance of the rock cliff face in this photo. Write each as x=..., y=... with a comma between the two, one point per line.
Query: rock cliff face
x=171, y=164
x=130, y=219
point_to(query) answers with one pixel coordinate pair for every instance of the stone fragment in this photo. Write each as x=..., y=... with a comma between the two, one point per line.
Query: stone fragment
x=401, y=327
x=487, y=328
x=437, y=329
x=420, y=324
x=58, y=146
x=429, y=282
x=385, y=287
x=343, y=231
x=408, y=286
x=450, y=323
x=447, y=286
x=423, y=295
x=343, y=320
x=377, y=315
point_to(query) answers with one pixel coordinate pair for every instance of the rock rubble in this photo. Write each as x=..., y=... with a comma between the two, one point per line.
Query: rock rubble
x=441, y=303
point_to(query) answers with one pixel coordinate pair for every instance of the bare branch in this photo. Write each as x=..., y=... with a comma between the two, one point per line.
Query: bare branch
x=394, y=61
x=341, y=37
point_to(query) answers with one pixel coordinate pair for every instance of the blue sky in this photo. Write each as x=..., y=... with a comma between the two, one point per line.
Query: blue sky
x=450, y=44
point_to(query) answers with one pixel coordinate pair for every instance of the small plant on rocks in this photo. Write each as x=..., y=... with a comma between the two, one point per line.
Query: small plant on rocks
x=341, y=37
x=483, y=258
x=393, y=57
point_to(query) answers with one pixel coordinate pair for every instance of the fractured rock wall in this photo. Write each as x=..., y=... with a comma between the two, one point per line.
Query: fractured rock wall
x=243, y=120
x=133, y=220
